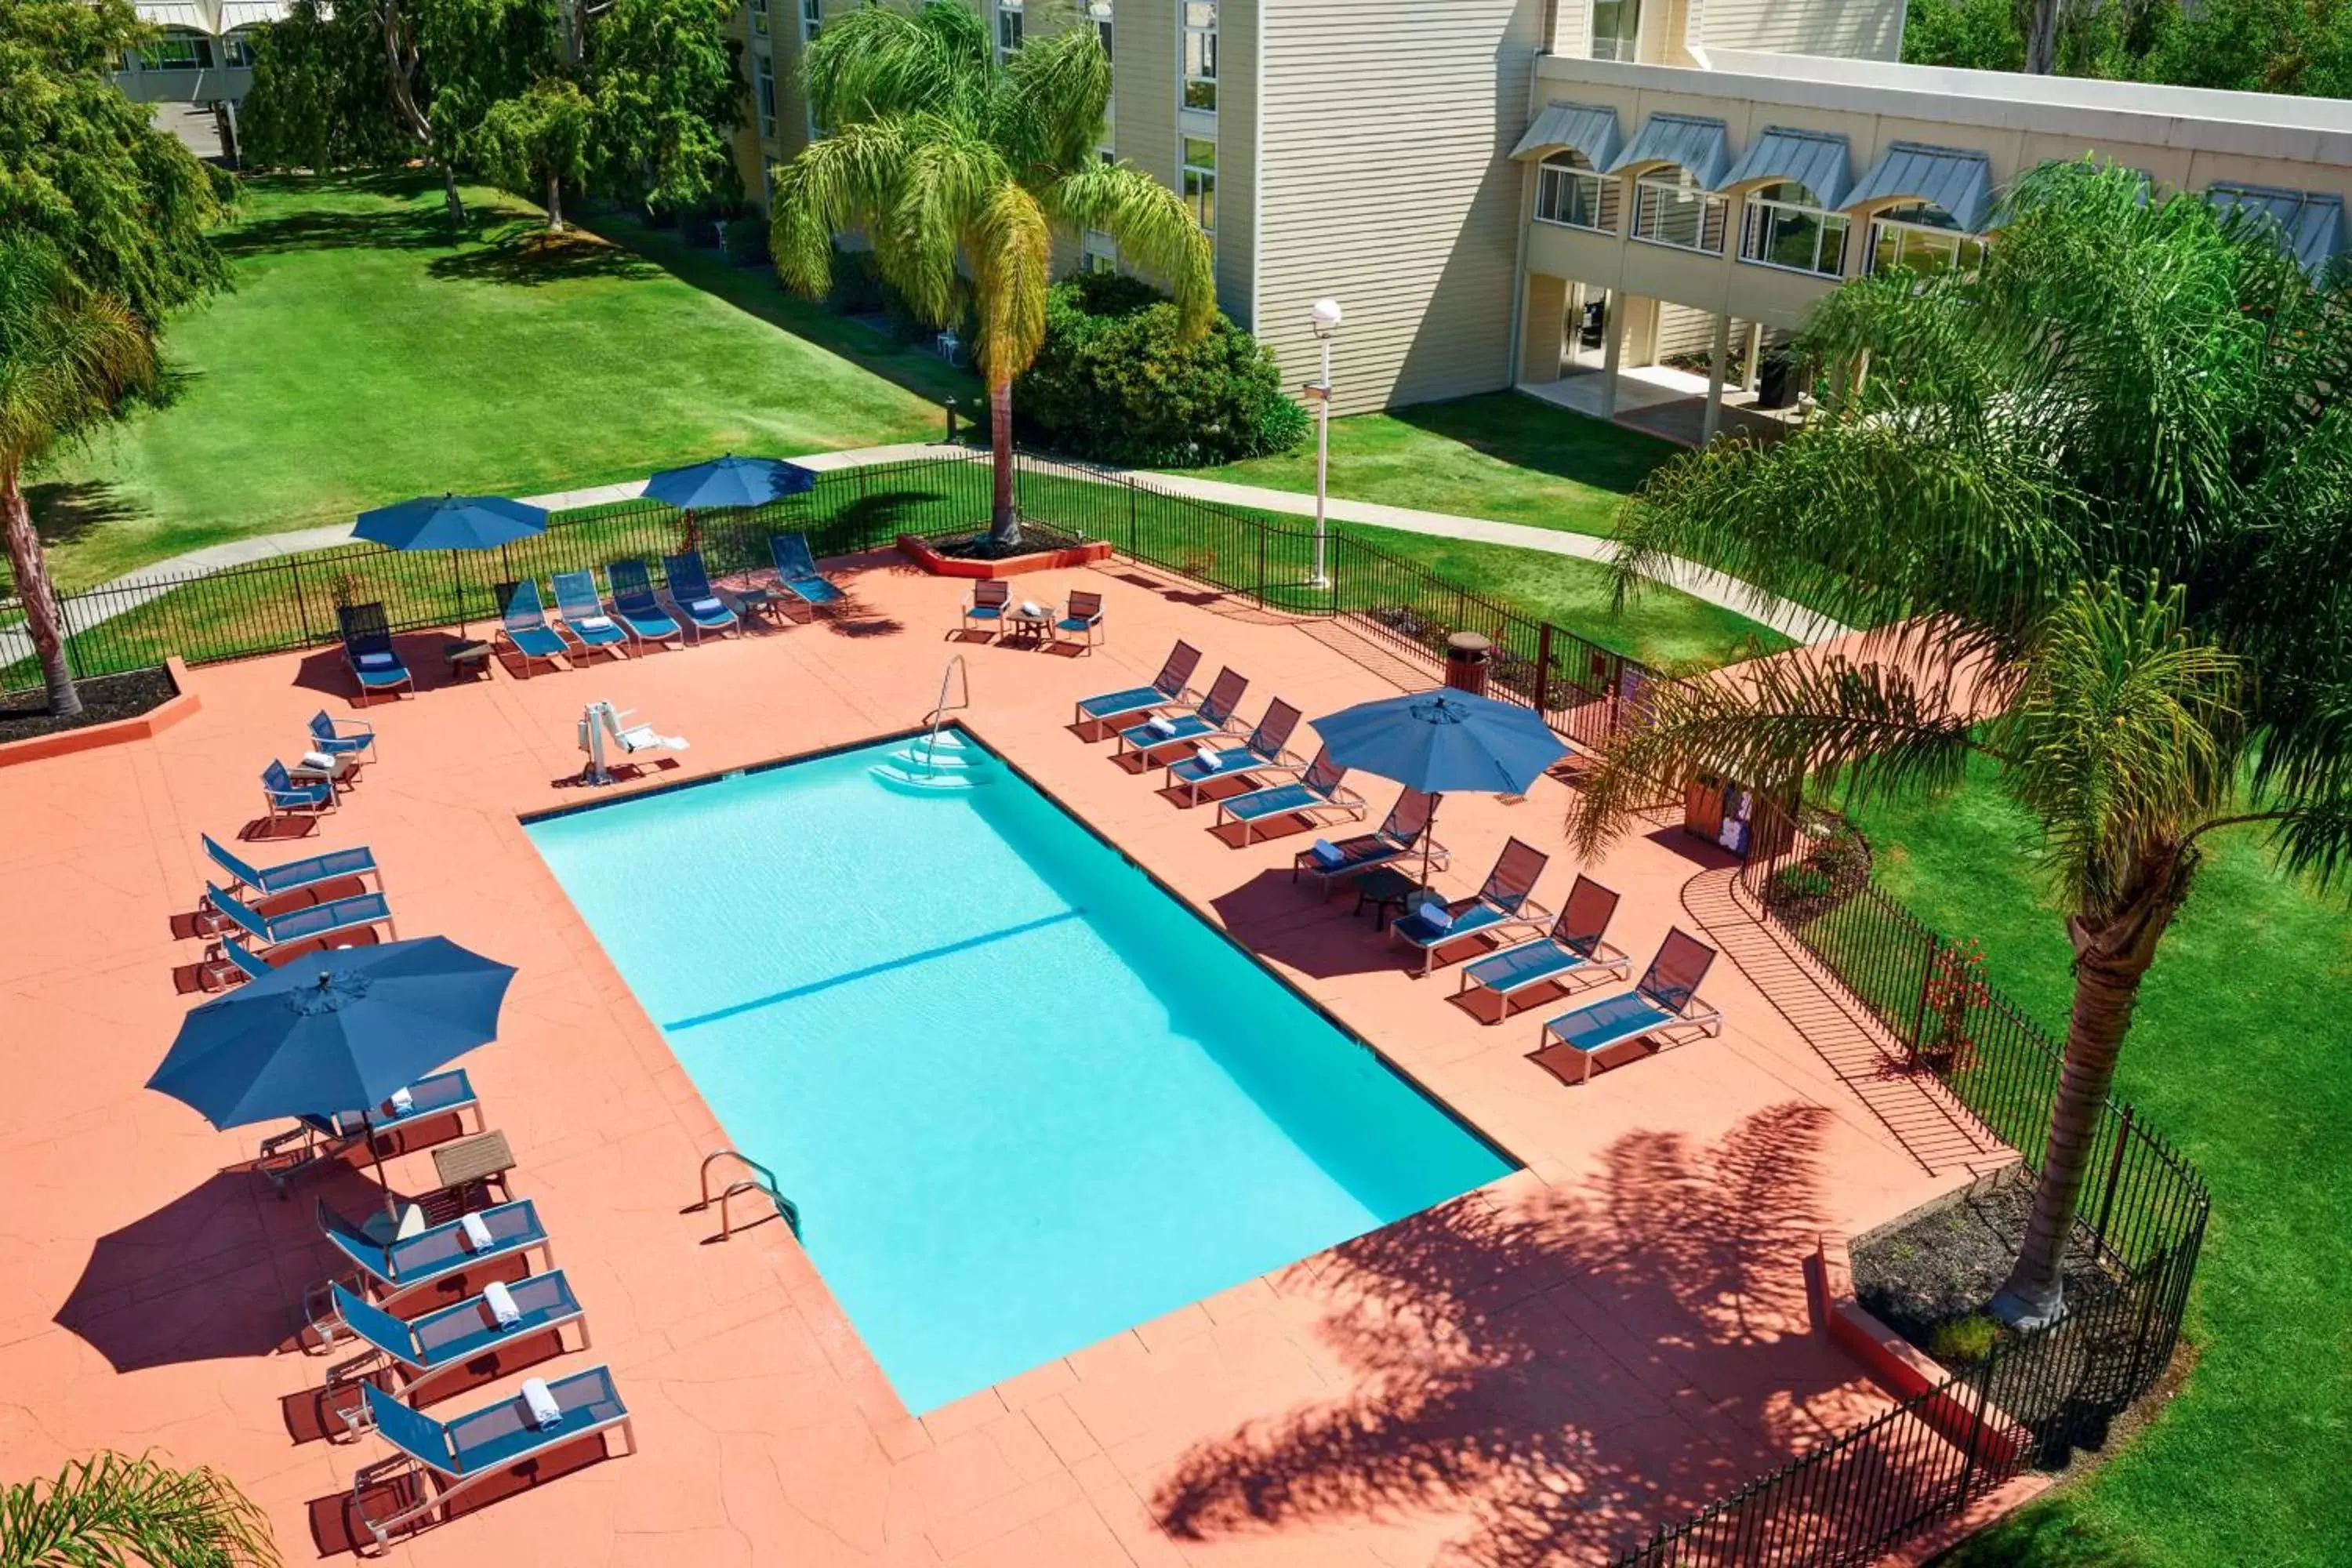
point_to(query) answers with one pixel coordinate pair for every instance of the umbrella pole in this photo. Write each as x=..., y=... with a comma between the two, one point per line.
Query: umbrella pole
x=391, y=1203
x=1429, y=836
x=457, y=582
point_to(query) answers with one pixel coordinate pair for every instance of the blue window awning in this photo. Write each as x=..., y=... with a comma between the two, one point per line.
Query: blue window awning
x=1817, y=160
x=2307, y=224
x=1585, y=128
x=1954, y=178
x=1701, y=146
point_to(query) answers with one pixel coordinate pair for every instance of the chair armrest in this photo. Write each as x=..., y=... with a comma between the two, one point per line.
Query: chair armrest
x=351, y=728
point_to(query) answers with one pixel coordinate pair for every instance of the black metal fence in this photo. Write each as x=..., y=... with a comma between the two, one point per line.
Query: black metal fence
x=2034, y=1398
x=290, y=602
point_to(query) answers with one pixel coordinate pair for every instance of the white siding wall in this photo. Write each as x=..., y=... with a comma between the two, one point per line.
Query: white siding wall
x=1849, y=29
x=1386, y=126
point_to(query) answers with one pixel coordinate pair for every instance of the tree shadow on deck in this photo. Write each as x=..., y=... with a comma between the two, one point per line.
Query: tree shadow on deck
x=1567, y=1372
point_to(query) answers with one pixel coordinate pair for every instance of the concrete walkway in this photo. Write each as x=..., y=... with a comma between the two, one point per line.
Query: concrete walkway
x=127, y=592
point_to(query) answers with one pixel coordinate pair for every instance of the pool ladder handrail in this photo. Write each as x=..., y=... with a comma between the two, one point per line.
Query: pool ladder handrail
x=938, y=713
x=761, y=1180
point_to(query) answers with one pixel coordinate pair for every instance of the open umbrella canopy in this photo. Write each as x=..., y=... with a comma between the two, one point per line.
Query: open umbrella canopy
x=452, y=522
x=728, y=481
x=333, y=1032
x=1444, y=740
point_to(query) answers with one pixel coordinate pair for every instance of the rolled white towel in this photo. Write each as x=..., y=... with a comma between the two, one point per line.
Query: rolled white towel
x=401, y=1101
x=595, y=623
x=318, y=761
x=1436, y=916
x=705, y=606
x=501, y=1303
x=1331, y=854
x=540, y=1401
x=475, y=1233
x=1160, y=723
x=1209, y=755
x=1032, y=609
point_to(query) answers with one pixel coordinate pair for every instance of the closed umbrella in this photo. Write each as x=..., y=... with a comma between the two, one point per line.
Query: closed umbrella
x=453, y=523
x=1440, y=741
x=334, y=1030
x=727, y=481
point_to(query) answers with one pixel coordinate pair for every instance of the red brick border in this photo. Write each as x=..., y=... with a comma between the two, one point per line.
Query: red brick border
x=1903, y=1370
x=90, y=737
x=940, y=565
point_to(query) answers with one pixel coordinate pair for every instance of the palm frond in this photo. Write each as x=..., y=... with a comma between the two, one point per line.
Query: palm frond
x=2315, y=837
x=1049, y=110
x=1012, y=255
x=115, y=1508
x=878, y=61
x=68, y=355
x=1154, y=229
x=2124, y=737
x=844, y=182
x=1882, y=721
x=953, y=175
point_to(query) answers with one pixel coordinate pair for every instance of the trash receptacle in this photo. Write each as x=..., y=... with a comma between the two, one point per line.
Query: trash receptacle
x=1776, y=380
x=1467, y=655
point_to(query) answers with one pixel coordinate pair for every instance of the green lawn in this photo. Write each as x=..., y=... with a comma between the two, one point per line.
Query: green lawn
x=2237, y=1054
x=1502, y=456
x=364, y=358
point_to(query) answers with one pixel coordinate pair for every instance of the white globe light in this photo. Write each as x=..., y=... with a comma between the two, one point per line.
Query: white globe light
x=1327, y=314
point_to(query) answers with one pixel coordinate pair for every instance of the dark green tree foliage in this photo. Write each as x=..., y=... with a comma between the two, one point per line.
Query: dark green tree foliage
x=1116, y=382
x=2249, y=46
x=322, y=94
x=533, y=143
x=124, y=205
x=662, y=73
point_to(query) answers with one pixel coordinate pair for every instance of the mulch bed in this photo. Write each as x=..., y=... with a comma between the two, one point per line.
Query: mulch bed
x=105, y=699
x=1948, y=1264
x=1036, y=539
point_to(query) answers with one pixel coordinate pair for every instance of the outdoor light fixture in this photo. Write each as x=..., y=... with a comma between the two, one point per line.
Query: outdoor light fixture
x=1327, y=315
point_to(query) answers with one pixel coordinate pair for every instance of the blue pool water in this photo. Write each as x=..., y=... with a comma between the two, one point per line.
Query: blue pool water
x=1024, y=1098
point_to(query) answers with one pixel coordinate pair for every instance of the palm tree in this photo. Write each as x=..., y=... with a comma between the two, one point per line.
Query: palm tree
x=68, y=357
x=112, y=1508
x=2112, y=466
x=950, y=163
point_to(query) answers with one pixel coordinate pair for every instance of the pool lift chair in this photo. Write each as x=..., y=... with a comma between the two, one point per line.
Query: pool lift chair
x=601, y=724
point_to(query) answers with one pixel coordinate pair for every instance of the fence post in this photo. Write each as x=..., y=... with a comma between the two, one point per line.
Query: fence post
x=302, y=606
x=2115, y=1176
x=1132, y=533
x=1543, y=669
x=1926, y=985
x=1976, y=1425
x=1261, y=564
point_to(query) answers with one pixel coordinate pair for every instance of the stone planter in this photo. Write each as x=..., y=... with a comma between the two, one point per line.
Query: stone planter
x=920, y=552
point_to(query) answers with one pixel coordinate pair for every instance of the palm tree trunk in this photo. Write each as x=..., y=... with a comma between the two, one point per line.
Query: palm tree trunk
x=449, y=194
x=2110, y=963
x=1004, y=519
x=2041, y=37
x=554, y=204
x=42, y=619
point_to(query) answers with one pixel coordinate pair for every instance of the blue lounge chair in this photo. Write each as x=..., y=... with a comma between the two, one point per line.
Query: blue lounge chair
x=236, y=962
x=985, y=606
x=367, y=648
x=441, y=1460
x=1578, y=1043
x=637, y=609
x=387, y=1272
x=796, y=571
x=522, y=626
x=290, y=796
x=1574, y=946
x=327, y=918
x=313, y=1139
x=1081, y=617
x=1318, y=789
x=1399, y=836
x=1503, y=903
x=1167, y=690
x=1212, y=715
x=403, y=1354
x=332, y=737
x=1262, y=750
x=696, y=600
x=291, y=876
x=579, y=611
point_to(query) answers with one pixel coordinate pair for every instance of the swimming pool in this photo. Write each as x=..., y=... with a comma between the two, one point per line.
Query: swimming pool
x=1024, y=1098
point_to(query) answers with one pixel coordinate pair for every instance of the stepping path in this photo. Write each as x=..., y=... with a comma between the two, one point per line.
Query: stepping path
x=127, y=592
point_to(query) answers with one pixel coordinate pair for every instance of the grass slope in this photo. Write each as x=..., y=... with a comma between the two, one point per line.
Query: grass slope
x=2236, y=1053
x=1501, y=455
x=366, y=358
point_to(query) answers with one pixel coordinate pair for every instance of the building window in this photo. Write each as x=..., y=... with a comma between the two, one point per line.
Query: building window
x=812, y=20
x=237, y=51
x=1200, y=182
x=759, y=18
x=1008, y=28
x=1100, y=11
x=1922, y=237
x=1670, y=207
x=1785, y=228
x=175, y=52
x=1616, y=28
x=1098, y=252
x=1200, y=55
x=768, y=180
x=763, y=92
x=1570, y=191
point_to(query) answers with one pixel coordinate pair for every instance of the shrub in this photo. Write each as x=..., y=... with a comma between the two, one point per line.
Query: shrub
x=1114, y=382
x=744, y=240
x=1798, y=884
x=1963, y=1342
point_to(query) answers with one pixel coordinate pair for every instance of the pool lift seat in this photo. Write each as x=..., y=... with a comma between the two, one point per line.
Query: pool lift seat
x=601, y=724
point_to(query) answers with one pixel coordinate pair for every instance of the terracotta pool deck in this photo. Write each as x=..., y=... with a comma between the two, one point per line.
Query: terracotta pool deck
x=1539, y=1372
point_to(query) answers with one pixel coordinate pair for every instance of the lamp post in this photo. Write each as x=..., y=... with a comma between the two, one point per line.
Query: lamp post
x=1327, y=325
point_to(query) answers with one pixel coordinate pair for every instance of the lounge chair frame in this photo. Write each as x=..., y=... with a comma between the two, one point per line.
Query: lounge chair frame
x=366, y=633
x=1082, y=618
x=797, y=573
x=1399, y=836
x=403, y=1354
x=1664, y=1001
x=333, y=737
x=1171, y=687
x=578, y=608
x=1318, y=789
x=689, y=585
x=1575, y=946
x=636, y=607
x=1504, y=901
x=1211, y=717
x=985, y=605
x=525, y=627
x=1263, y=751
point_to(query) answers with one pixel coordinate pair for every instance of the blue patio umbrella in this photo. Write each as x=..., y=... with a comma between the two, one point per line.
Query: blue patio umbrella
x=729, y=481
x=453, y=523
x=333, y=1030
x=1444, y=740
